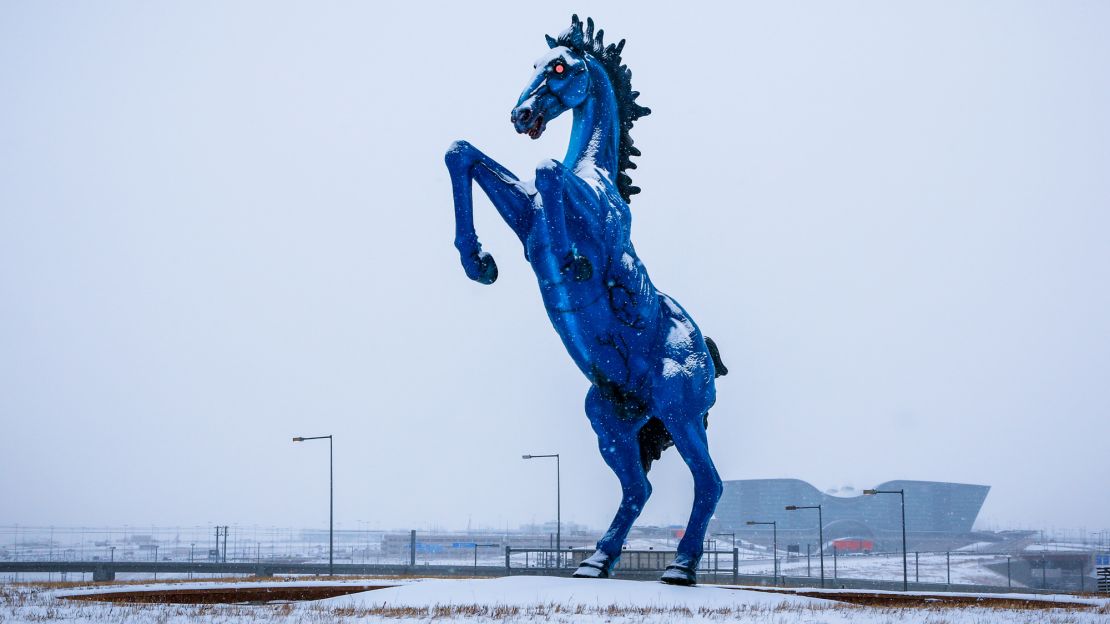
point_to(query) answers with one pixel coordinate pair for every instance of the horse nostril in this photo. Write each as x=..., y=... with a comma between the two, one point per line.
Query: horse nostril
x=525, y=115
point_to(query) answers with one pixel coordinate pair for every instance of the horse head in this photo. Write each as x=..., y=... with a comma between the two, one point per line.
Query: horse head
x=560, y=82
x=580, y=66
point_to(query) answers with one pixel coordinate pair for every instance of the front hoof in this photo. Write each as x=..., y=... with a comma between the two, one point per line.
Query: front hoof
x=597, y=566
x=480, y=267
x=487, y=269
x=679, y=575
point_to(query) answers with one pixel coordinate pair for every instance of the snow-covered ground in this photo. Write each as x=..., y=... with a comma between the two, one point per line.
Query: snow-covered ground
x=522, y=599
x=965, y=568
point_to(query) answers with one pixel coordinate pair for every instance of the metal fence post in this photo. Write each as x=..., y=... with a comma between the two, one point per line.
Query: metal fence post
x=1009, y=579
x=948, y=568
x=916, y=567
x=735, y=565
x=508, y=568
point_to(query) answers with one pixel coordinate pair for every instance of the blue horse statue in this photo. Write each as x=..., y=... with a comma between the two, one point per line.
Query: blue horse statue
x=652, y=372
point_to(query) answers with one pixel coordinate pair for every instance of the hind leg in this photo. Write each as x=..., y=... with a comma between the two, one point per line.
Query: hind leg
x=617, y=440
x=690, y=441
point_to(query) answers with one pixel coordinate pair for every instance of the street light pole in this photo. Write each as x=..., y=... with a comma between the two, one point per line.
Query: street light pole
x=558, y=507
x=221, y=558
x=820, y=534
x=775, y=543
x=331, y=499
x=905, y=567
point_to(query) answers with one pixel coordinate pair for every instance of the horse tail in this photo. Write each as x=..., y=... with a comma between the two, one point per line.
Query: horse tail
x=715, y=353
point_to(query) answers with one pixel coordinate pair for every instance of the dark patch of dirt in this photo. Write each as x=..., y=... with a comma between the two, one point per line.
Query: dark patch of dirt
x=228, y=595
x=930, y=600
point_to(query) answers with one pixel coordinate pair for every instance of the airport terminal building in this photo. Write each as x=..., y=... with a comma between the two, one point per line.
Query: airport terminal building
x=938, y=515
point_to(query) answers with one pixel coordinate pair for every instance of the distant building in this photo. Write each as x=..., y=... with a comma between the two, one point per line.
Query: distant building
x=938, y=515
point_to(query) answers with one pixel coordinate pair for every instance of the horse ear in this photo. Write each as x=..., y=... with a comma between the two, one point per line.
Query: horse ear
x=551, y=43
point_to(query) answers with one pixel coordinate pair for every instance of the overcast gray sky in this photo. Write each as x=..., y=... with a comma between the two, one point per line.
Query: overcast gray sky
x=226, y=224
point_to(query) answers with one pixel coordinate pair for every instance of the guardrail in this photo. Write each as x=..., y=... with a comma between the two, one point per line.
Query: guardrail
x=717, y=566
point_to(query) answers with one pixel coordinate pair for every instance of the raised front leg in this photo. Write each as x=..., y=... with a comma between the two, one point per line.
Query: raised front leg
x=618, y=441
x=466, y=163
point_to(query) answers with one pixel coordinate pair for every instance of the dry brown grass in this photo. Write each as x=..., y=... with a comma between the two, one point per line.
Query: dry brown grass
x=213, y=579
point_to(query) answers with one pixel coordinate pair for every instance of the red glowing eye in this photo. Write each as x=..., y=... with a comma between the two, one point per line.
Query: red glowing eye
x=559, y=69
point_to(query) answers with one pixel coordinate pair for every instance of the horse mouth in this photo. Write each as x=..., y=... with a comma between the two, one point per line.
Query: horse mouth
x=536, y=129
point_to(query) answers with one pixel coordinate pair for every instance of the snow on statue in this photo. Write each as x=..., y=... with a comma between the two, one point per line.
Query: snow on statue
x=652, y=371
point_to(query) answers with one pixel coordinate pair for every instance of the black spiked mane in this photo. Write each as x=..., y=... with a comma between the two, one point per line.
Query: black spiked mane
x=609, y=56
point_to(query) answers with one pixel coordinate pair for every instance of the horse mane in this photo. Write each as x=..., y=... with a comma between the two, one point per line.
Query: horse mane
x=609, y=56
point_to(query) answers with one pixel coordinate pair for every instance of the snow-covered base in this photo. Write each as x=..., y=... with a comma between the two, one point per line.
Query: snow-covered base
x=528, y=591
x=523, y=599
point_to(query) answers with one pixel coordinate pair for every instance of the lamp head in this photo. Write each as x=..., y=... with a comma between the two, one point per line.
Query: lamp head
x=869, y=492
x=526, y=457
x=791, y=507
x=298, y=439
x=750, y=522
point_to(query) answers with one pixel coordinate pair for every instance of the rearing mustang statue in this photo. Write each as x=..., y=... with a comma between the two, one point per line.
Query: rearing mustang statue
x=652, y=372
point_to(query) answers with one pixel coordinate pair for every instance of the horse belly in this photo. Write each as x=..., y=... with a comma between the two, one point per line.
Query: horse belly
x=613, y=339
x=584, y=330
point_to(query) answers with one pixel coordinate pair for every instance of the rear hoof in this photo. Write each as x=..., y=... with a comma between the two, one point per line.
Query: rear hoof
x=585, y=571
x=597, y=566
x=679, y=575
